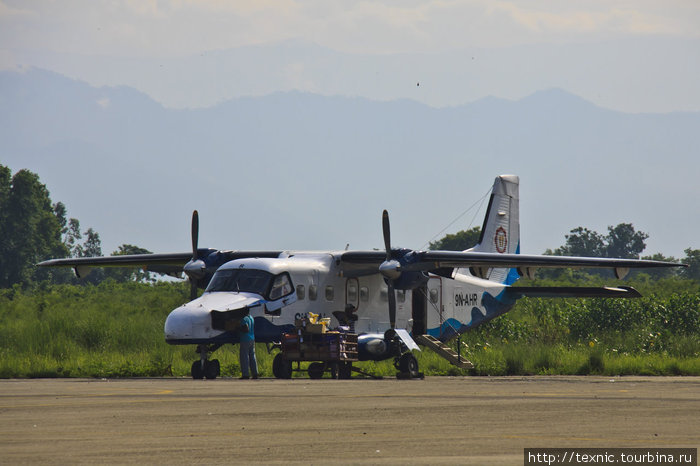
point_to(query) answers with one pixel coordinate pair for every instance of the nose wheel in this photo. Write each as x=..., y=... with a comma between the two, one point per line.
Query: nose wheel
x=205, y=368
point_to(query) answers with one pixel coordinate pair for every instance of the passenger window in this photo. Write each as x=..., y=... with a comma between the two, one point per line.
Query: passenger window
x=364, y=294
x=313, y=292
x=352, y=293
x=330, y=294
x=401, y=296
x=301, y=292
x=384, y=295
x=282, y=286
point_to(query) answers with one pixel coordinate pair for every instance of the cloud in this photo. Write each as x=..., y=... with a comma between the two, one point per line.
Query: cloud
x=625, y=17
x=7, y=11
x=172, y=28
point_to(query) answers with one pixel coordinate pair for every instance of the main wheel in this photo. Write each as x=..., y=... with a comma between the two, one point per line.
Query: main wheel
x=281, y=368
x=212, y=369
x=316, y=370
x=197, y=371
x=408, y=364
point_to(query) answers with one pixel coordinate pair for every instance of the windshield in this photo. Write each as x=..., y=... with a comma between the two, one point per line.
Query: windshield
x=249, y=280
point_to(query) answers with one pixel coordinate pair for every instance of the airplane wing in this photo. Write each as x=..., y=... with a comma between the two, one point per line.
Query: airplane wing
x=170, y=264
x=133, y=260
x=367, y=262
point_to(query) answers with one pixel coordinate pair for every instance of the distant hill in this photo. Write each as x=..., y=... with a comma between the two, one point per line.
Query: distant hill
x=297, y=170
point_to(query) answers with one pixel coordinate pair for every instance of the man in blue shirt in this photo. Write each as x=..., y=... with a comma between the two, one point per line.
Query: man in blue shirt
x=247, y=351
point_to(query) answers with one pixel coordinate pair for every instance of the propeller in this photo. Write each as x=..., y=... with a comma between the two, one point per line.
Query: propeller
x=195, y=234
x=390, y=269
x=196, y=267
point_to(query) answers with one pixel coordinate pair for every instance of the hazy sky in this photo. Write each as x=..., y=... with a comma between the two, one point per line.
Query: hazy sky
x=631, y=55
x=627, y=55
x=176, y=28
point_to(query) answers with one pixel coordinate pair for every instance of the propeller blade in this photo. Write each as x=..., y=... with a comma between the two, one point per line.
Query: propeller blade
x=387, y=234
x=194, y=268
x=195, y=234
x=392, y=305
x=390, y=269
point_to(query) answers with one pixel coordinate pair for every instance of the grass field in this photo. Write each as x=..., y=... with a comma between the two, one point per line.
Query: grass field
x=116, y=330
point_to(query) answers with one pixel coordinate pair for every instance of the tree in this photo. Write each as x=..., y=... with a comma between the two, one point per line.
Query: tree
x=71, y=238
x=660, y=272
x=5, y=239
x=122, y=274
x=692, y=260
x=581, y=242
x=93, y=245
x=623, y=242
x=29, y=227
x=463, y=239
x=33, y=229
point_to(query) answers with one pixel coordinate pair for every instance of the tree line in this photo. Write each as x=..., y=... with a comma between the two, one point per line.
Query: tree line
x=33, y=229
x=621, y=241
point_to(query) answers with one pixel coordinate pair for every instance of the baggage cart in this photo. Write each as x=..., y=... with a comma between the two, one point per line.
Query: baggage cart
x=332, y=352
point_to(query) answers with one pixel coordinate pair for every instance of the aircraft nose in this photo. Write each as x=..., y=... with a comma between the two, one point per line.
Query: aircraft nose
x=188, y=322
x=178, y=325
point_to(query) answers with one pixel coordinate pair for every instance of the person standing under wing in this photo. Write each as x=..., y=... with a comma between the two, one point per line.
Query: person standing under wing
x=249, y=363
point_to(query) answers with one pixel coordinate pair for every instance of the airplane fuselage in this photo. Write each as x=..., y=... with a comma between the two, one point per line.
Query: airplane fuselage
x=319, y=284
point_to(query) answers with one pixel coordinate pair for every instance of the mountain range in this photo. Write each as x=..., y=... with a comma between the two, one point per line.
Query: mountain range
x=297, y=170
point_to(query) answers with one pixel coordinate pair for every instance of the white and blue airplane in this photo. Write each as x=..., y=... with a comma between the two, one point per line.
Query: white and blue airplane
x=441, y=294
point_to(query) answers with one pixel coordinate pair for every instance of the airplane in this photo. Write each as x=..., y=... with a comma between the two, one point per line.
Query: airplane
x=433, y=294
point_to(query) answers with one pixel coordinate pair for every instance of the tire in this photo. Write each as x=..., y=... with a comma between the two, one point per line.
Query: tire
x=316, y=370
x=196, y=371
x=408, y=364
x=212, y=369
x=281, y=368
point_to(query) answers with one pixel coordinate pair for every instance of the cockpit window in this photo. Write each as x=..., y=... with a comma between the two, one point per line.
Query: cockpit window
x=265, y=284
x=281, y=286
x=249, y=280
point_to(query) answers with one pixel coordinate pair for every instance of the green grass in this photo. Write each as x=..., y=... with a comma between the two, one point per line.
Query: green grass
x=116, y=330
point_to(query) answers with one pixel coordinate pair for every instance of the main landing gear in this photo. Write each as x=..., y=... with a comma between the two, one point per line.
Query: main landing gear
x=205, y=368
x=407, y=365
x=404, y=361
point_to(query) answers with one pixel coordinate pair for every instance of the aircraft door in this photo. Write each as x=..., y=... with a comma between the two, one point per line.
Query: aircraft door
x=434, y=305
x=419, y=301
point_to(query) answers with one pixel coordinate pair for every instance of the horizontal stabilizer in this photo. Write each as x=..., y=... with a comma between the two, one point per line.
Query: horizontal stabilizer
x=573, y=292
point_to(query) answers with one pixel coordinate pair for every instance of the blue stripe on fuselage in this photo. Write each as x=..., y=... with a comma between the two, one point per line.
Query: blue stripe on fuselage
x=494, y=308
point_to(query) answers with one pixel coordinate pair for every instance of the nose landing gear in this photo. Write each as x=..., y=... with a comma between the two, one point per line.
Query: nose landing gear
x=205, y=368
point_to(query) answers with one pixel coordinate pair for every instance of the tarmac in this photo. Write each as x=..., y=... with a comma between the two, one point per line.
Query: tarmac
x=438, y=420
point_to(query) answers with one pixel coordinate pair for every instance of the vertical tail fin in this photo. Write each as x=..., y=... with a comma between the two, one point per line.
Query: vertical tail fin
x=501, y=230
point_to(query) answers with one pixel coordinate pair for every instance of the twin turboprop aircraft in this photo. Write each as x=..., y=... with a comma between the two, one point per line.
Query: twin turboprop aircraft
x=389, y=297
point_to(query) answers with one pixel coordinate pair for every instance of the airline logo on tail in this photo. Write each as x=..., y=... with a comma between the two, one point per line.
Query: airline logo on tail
x=501, y=240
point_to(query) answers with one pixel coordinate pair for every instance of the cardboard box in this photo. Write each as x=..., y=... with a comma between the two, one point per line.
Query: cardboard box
x=315, y=328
